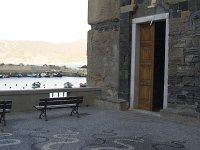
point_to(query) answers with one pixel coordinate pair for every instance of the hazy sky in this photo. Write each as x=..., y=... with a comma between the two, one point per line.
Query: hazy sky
x=43, y=20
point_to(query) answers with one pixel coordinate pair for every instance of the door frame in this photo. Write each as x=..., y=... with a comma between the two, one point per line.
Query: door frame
x=134, y=82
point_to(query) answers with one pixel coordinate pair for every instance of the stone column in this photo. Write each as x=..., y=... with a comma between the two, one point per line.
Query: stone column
x=126, y=13
x=103, y=46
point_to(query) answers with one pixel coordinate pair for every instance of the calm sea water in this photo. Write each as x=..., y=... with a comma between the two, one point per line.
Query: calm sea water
x=46, y=83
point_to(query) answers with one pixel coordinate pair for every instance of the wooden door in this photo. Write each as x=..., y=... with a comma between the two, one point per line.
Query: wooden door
x=146, y=66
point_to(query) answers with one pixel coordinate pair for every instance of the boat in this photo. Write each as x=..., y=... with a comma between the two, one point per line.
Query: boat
x=82, y=84
x=29, y=75
x=45, y=74
x=33, y=75
x=68, y=85
x=57, y=74
x=19, y=75
x=36, y=75
x=6, y=76
x=36, y=85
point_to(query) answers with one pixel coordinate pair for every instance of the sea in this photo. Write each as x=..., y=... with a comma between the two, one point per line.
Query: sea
x=25, y=83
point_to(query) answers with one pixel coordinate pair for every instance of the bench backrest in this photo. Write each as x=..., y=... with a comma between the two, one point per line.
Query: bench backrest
x=61, y=100
x=5, y=104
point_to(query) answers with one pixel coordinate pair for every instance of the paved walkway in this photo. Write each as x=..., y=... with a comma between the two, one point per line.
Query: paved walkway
x=97, y=129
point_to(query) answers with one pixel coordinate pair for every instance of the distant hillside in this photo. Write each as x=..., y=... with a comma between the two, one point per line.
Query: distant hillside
x=36, y=52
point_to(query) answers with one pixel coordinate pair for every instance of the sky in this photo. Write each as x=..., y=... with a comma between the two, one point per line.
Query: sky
x=53, y=21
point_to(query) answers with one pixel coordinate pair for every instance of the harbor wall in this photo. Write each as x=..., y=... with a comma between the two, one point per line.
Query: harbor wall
x=24, y=100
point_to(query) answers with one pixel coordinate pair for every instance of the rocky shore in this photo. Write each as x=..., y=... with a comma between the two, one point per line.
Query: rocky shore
x=12, y=70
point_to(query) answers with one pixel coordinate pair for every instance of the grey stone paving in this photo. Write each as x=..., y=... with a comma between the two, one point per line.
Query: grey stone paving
x=96, y=129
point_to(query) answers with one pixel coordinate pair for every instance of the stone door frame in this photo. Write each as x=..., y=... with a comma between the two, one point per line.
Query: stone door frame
x=134, y=82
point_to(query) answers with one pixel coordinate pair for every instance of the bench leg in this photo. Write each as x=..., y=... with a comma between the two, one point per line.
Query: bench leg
x=74, y=111
x=3, y=118
x=43, y=114
x=40, y=116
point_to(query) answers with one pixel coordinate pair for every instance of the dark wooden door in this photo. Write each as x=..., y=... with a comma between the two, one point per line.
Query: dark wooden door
x=146, y=70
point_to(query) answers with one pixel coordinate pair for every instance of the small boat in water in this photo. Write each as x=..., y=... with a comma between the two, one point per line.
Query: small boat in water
x=45, y=74
x=32, y=75
x=68, y=85
x=36, y=85
x=19, y=75
x=29, y=75
x=82, y=84
x=6, y=76
x=57, y=74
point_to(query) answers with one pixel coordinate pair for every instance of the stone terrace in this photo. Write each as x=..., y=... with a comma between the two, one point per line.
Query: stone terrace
x=96, y=129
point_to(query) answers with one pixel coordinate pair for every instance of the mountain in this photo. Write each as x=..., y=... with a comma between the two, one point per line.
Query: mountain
x=39, y=53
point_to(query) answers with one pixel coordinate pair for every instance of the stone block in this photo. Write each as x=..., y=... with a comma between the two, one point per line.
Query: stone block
x=124, y=45
x=176, y=60
x=198, y=107
x=189, y=81
x=192, y=51
x=124, y=95
x=183, y=6
x=125, y=16
x=124, y=86
x=125, y=2
x=172, y=70
x=180, y=27
x=192, y=59
x=128, y=8
x=114, y=104
x=124, y=23
x=124, y=37
x=194, y=5
x=106, y=26
x=125, y=64
x=103, y=61
x=186, y=70
x=197, y=69
x=185, y=14
x=173, y=11
x=103, y=10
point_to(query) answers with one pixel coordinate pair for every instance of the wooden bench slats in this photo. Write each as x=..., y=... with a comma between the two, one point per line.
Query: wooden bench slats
x=59, y=102
x=55, y=106
x=6, y=110
x=5, y=104
x=62, y=98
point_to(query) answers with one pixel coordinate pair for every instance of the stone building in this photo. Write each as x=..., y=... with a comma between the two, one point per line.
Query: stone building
x=146, y=53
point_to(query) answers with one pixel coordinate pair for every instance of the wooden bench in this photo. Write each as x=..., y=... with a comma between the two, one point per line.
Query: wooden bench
x=57, y=103
x=5, y=107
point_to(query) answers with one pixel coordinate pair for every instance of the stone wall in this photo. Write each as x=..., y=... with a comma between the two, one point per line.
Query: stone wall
x=184, y=48
x=103, y=11
x=24, y=100
x=184, y=52
x=103, y=46
x=140, y=10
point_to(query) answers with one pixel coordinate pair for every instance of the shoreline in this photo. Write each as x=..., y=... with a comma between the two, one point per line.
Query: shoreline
x=13, y=70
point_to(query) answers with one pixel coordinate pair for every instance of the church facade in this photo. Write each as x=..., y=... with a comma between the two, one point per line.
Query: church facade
x=145, y=52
